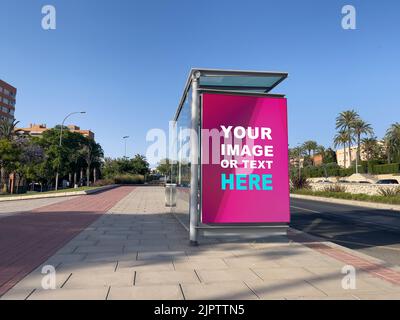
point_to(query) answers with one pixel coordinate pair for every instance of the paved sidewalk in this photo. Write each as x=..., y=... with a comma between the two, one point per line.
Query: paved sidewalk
x=138, y=251
x=30, y=238
x=14, y=207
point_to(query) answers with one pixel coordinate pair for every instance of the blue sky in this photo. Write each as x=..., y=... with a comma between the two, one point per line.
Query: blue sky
x=126, y=62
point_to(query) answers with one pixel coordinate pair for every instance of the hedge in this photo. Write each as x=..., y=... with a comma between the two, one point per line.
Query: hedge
x=329, y=170
x=334, y=170
x=350, y=196
x=129, y=179
x=386, y=168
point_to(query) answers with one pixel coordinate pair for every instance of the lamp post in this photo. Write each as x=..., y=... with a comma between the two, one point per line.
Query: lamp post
x=60, y=142
x=125, y=138
x=299, y=149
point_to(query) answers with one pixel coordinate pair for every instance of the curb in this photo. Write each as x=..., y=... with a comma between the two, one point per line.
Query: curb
x=376, y=267
x=311, y=238
x=59, y=194
x=365, y=204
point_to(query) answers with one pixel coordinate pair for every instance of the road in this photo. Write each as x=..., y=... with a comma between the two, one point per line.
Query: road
x=370, y=231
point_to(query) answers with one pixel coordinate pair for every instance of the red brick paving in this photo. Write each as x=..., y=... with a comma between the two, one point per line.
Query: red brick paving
x=350, y=259
x=29, y=239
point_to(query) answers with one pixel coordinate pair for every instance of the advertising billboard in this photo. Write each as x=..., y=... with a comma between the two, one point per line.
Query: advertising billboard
x=244, y=159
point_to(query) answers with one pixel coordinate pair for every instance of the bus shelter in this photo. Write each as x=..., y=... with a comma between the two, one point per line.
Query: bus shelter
x=229, y=163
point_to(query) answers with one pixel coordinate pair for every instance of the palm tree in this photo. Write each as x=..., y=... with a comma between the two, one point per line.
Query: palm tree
x=392, y=139
x=310, y=146
x=320, y=150
x=370, y=147
x=345, y=121
x=340, y=139
x=360, y=127
x=7, y=132
x=295, y=155
x=7, y=129
x=91, y=153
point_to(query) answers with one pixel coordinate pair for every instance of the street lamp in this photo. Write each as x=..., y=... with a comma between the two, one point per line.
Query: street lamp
x=125, y=138
x=299, y=150
x=60, y=142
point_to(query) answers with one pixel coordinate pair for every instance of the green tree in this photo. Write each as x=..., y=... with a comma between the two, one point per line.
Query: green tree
x=56, y=157
x=360, y=128
x=320, y=150
x=371, y=148
x=74, y=141
x=30, y=155
x=164, y=167
x=310, y=146
x=329, y=156
x=7, y=133
x=8, y=159
x=92, y=153
x=295, y=156
x=392, y=139
x=70, y=158
x=7, y=129
x=140, y=165
x=120, y=166
x=340, y=139
x=344, y=122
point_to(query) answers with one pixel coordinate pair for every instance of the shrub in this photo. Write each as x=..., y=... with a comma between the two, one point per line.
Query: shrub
x=299, y=182
x=351, y=196
x=371, y=164
x=346, y=172
x=129, y=179
x=103, y=182
x=386, y=168
x=330, y=170
x=389, y=192
x=313, y=172
x=335, y=188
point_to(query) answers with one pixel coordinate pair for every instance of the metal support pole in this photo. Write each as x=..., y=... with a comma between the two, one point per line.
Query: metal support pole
x=195, y=159
x=356, y=162
x=60, y=143
x=299, y=163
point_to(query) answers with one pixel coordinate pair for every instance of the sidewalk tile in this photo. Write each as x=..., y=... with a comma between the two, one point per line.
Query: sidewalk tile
x=159, y=292
x=100, y=249
x=59, y=258
x=278, y=289
x=89, y=280
x=165, y=277
x=210, y=276
x=110, y=257
x=162, y=255
x=93, y=267
x=145, y=265
x=200, y=264
x=70, y=294
x=283, y=273
x=237, y=262
x=220, y=291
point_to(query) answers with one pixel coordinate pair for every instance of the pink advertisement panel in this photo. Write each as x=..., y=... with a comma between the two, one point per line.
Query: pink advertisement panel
x=244, y=159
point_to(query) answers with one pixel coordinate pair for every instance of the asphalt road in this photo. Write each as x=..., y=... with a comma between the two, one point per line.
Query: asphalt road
x=370, y=231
